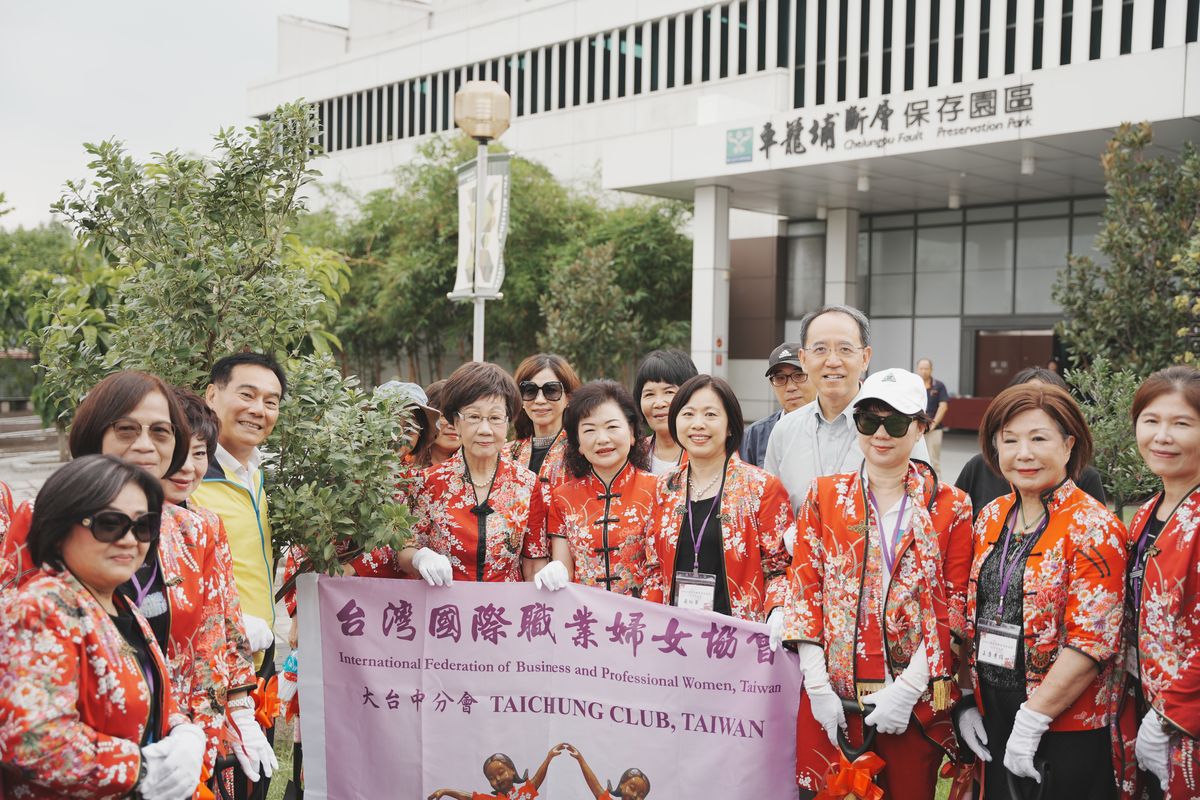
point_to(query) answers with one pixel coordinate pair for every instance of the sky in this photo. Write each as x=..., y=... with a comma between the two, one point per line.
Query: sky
x=155, y=74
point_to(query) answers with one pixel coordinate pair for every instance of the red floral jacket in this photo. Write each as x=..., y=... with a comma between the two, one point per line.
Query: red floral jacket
x=446, y=523
x=74, y=703
x=1164, y=637
x=552, y=474
x=870, y=630
x=755, y=515
x=7, y=570
x=1074, y=585
x=605, y=527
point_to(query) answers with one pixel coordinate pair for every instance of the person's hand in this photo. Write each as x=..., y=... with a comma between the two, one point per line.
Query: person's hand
x=258, y=632
x=250, y=746
x=970, y=730
x=294, y=633
x=1152, y=744
x=571, y=750
x=1027, y=731
x=552, y=577
x=826, y=705
x=893, y=706
x=775, y=627
x=434, y=567
x=789, y=538
x=173, y=764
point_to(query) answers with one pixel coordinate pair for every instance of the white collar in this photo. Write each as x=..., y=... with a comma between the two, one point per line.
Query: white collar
x=814, y=408
x=229, y=463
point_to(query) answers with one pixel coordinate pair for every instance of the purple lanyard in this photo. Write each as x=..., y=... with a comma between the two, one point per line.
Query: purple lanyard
x=143, y=591
x=1009, y=568
x=698, y=538
x=889, y=547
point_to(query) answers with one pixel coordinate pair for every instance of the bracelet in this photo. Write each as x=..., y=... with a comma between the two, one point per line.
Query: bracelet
x=245, y=701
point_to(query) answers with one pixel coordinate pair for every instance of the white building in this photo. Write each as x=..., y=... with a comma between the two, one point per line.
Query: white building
x=932, y=162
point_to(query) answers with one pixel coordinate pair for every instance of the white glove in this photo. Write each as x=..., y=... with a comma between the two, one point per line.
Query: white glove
x=173, y=764
x=553, y=577
x=894, y=702
x=1152, y=741
x=775, y=627
x=250, y=746
x=1027, y=731
x=434, y=567
x=972, y=733
x=259, y=632
x=789, y=538
x=826, y=705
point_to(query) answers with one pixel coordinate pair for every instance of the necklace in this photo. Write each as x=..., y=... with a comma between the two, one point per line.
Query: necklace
x=706, y=489
x=544, y=442
x=1027, y=526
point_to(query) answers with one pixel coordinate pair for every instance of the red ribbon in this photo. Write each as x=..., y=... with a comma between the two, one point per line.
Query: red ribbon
x=846, y=780
x=266, y=702
x=202, y=791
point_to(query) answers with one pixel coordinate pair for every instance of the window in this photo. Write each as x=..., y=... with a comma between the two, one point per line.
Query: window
x=622, y=50
x=781, y=32
x=689, y=26
x=935, y=43
x=723, y=13
x=706, y=44
x=892, y=273
x=534, y=74
x=1042, y=247
x=806, y=274
x=671, y=45
x=939, y=270
x=822, y=47
x=988, y=264
x=577, y=77
x=655, y=52
x=800, y=68
x=605, y=68
x=843, y=30
x=743, y=29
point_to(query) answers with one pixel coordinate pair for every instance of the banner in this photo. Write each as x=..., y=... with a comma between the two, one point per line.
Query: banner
x=490, y=276
x=408, y=690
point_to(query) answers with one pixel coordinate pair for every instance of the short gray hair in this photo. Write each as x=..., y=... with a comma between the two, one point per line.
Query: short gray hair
x=864, y=326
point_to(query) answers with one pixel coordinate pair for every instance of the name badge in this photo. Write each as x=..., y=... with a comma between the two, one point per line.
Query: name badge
x=695, y=590
x=155, y=605
x=1131, y=660
x=998, y=643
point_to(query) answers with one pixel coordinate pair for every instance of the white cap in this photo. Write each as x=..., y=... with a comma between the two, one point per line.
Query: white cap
x=899, y=388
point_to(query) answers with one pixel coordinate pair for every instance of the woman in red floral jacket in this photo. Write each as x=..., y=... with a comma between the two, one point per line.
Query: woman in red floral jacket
x=716, y=534
x=479, y=514
x=1044, y=605
x=597, y=518
x=85, y=698
x=1159, y=717
x=878, y=598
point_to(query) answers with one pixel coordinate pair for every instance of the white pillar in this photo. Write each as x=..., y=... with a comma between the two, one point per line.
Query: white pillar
x=997, y=39
x=841, y=256
x=771, y=23
x=899, y=26
x=1143, y=25
x=854, y=46
x=1175, y=30
x=832, y=21
x=921, y=46
x=1110, y=29
x=1052, y=34
x=875, y=50
x=710, y=280
x=971, y=32
x=810, y=54
x=1081, y=34
x=946, y=44
x=1024, y=39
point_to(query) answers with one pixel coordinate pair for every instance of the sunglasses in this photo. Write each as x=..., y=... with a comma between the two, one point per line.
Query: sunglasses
x=128, y=430
x=896, y=425
x=551, y=390
x=111, y=526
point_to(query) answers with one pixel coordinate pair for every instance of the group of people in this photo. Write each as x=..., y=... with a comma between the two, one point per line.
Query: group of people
x=1011, y=623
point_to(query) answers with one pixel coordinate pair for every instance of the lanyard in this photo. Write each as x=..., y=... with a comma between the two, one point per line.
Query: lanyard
x=698, y=538
x=889, y=547
x=143, y=591
x=1137, y=575
x=1009, y=568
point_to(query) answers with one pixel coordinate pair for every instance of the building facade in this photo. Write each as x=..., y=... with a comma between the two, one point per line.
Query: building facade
x=930, y=161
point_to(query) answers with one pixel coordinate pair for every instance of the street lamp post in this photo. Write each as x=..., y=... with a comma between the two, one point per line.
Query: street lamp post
x=481, y=110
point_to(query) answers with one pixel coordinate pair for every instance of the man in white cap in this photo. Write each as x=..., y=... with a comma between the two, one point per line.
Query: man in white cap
x=819, y=438
x=792, y=390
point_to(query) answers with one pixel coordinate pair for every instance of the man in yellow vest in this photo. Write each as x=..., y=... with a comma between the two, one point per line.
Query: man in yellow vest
x=245, y=390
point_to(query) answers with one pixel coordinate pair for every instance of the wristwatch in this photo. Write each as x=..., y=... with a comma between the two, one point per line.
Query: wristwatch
x=245, y=701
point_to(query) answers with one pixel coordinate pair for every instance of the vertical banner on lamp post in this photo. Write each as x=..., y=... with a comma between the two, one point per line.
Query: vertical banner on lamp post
x=408, y=691
x=495, y=229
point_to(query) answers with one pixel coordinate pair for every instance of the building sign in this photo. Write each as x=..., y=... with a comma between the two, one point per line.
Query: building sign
x=862, y=128
x=408, y=690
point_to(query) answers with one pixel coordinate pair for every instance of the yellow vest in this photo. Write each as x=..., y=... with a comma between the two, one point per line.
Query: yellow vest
x=249, y=531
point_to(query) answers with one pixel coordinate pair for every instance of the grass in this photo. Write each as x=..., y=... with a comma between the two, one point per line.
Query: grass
x=283, y=752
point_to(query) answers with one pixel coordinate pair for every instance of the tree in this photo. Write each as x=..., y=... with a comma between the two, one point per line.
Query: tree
x=589, y=320
x=1106, y=394
x=208, y=268
x=1127, y=308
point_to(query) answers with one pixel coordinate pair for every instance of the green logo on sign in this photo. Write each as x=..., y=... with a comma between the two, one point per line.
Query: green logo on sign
x=739, y=145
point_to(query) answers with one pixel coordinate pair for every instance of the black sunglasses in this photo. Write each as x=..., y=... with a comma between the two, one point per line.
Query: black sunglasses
x=111, y=526
x=551, y=390
x=896, y=425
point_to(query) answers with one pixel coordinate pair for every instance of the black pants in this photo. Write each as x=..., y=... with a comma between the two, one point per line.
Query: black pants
x=1078, y=763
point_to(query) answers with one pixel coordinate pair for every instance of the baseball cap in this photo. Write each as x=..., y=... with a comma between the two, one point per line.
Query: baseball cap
x=786, y=353
x=899, y=388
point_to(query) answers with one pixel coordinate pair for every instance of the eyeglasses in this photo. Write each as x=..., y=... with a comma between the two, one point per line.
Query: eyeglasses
x=111, y=526
x=128, y=430
x=783, y=378
x=896, y=425
x=843, y=350
x=475, y=420
x=551, y=390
